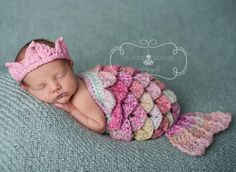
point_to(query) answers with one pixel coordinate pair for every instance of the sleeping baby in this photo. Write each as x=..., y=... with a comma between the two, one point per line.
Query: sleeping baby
x=122, y=101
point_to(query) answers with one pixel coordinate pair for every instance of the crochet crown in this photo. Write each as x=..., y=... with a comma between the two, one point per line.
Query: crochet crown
x=36, y=55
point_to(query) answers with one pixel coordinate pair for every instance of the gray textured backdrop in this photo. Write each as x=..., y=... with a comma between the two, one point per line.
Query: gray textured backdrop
x=206, y=29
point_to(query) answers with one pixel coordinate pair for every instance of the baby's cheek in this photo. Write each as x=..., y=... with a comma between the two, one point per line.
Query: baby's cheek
x=44, y=96
x=70, y=84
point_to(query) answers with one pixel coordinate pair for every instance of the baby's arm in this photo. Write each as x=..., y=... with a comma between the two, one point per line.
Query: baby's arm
x=94, y=125
x=88, y=122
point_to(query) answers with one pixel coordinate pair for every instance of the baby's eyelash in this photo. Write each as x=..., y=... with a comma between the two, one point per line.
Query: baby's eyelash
x=39, y=87
x=42, y=86
x=60, y=75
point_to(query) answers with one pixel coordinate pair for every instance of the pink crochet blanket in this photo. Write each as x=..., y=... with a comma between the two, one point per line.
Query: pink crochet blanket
x=141, y=107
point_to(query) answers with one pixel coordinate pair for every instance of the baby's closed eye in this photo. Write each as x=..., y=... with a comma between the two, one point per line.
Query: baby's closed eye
x=60, y=75
x=39, y=87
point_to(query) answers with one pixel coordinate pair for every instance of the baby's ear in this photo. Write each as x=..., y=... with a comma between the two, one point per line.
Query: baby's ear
x=24, y=86
x=71, y=63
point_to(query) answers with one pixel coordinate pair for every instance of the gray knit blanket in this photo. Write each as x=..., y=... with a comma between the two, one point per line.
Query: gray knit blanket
x=36, y=136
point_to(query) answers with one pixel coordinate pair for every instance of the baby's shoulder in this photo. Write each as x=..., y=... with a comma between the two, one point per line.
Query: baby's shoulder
x=82, y=99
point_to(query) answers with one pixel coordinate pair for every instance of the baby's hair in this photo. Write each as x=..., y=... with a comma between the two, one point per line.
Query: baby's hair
x=20, y=56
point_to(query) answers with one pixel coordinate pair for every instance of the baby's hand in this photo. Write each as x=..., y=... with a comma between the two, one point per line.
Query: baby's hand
x=69, y=107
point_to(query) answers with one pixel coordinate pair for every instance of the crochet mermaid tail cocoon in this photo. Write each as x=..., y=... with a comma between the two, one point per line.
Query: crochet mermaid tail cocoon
x=141, y=107
x=193, y=132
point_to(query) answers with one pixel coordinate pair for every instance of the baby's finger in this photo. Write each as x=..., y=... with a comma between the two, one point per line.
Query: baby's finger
x=59, y=105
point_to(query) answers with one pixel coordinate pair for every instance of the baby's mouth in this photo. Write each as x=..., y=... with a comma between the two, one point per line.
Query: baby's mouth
x=61, y=95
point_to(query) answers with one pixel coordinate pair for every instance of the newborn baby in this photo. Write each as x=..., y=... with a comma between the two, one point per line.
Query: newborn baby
x=122, y=101
x=54, y=81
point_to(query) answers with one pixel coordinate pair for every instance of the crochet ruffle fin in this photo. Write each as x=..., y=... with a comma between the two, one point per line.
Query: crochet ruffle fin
x=194, y=131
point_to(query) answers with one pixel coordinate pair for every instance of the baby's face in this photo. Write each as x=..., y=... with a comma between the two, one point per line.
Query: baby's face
x=53, y=82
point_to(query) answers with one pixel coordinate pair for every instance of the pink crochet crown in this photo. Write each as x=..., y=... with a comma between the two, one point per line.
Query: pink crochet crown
x=36, y=55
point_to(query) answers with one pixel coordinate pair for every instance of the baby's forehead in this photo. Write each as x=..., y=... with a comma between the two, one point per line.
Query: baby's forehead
x=48, y=70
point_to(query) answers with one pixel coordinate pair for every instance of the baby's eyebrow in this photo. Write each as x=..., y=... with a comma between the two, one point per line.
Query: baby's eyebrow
x=61, y=71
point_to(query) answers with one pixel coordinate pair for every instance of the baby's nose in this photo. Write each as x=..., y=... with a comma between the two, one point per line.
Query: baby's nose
x=55, y=87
